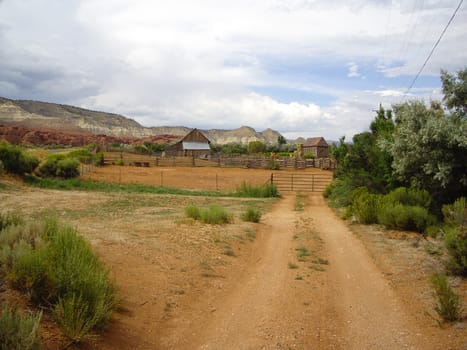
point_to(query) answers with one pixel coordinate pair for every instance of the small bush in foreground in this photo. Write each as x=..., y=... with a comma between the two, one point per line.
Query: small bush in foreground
x=19, y=331
x=252, y=215
x=58, y=269
x=448, y=303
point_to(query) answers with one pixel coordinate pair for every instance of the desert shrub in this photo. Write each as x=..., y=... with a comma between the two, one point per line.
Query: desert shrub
x=448, y=303
x=339, y=192
x=404, y=217
x=62, y=272
x=252, y=215
x=409, y=196
x=251, y=191
x=456, y=214
x=67, y=168
x=215, y=215
x=19, y=331
x=192, y=211
x=87, y=155
x=455, y=217
x=365, y=206
x=9, y=219
x=15, y=160
x=59, y=165
x=32, y=273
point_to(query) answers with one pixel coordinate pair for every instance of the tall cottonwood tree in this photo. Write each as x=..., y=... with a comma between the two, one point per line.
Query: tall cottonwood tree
x=429, y=149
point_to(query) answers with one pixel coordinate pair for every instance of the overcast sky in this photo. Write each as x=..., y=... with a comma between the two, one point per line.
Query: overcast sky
x=302, y=67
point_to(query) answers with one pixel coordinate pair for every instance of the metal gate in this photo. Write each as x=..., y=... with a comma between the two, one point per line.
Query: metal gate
x=301, y=182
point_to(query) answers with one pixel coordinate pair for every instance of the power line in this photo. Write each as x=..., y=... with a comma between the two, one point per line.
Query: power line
x=434, y=47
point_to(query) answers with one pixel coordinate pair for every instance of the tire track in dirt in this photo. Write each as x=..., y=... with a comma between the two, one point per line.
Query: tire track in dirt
x=372, y=316
x=266, y=308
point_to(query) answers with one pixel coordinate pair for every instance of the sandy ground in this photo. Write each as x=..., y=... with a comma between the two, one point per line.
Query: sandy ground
x=355, y=287
x=190, y=178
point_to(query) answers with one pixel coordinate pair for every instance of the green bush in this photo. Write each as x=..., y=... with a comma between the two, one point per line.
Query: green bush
x=252, y=215
x=67, y=168
x=365, y=206
x=59, y=270
x=251, y=191
x=339, y=192
x=456, y=214
x=87, y=155
x=215, y=215
x=309, y=156
x=455, y=218
x=409, y=196
x=456, y=244
x=32, y=273
x=405, y=217
x=15, y=160
x=59, y=165
x=448, y=303
x=19, y=331
x=192, y=211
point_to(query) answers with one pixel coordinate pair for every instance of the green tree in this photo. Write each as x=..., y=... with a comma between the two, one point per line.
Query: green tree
x=455, y=90
x=367, y=162
x=430, y=150
x=256, y=147
x=281, y=140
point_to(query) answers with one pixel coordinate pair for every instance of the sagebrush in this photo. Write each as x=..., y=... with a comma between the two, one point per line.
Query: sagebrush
x=19, y=330
x=57, y=269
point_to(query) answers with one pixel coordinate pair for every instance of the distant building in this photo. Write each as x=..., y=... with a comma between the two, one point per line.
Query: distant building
x=194, y=144
x=316, y=146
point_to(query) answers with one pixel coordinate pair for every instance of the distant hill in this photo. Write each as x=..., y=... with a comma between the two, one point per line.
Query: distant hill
x=64, y=118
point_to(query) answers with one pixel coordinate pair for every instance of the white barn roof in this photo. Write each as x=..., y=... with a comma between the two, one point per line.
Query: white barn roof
x=198, y=146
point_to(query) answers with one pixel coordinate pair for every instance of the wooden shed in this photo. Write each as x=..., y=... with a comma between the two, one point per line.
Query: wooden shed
x=316, y=146
x=194, y=144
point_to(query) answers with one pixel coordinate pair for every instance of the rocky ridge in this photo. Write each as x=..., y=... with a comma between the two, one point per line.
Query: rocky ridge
x=64, y=118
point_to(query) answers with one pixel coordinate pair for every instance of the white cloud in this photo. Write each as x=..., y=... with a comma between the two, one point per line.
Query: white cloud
x=202, y=63
x=353, y=70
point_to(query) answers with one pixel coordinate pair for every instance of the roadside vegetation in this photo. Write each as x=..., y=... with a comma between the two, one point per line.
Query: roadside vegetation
x=55, y=268
x=409, y=171
x=18, y=160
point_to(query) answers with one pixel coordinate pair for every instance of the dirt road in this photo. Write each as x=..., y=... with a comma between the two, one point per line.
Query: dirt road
x=281, y=303
x=304, y=281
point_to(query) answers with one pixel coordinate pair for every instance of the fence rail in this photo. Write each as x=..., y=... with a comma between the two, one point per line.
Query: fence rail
x=301, y=182
x=242, y=162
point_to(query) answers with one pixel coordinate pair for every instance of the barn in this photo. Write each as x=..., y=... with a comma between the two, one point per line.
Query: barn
x=194, y=144
x=316, y=146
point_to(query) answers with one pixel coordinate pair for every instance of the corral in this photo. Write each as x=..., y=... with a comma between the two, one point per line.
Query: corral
x=225, y=179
